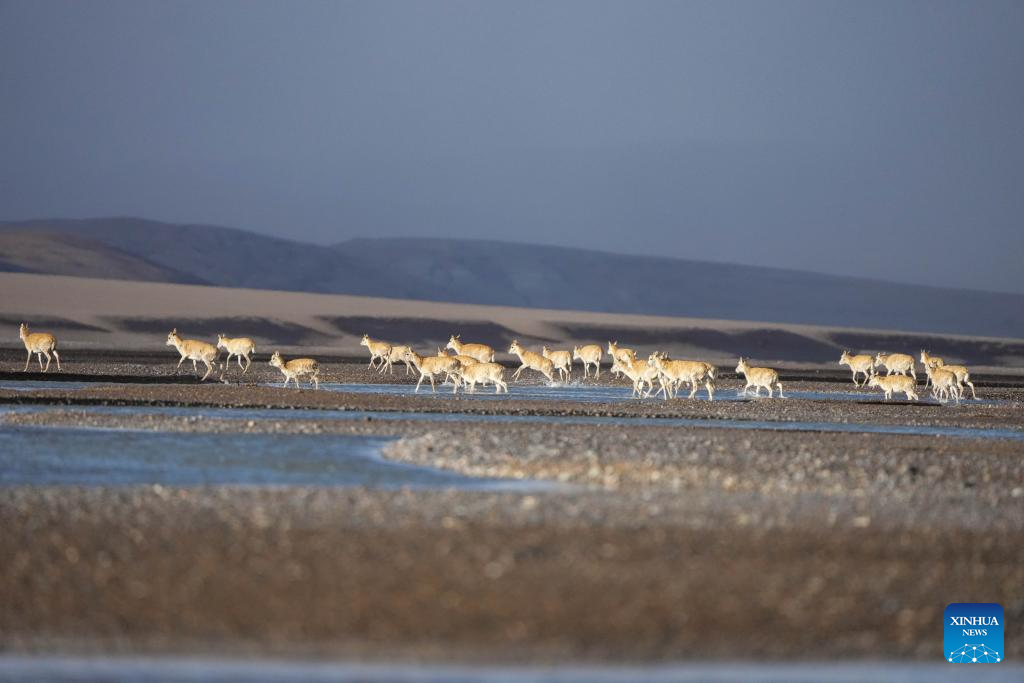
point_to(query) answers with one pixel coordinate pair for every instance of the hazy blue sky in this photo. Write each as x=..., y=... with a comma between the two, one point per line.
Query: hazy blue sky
x=871, y=138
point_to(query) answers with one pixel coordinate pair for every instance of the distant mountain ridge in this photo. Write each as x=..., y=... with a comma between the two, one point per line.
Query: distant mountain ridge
x=497, y=273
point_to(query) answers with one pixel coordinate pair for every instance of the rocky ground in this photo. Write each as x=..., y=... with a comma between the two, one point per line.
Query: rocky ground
x=670, y=543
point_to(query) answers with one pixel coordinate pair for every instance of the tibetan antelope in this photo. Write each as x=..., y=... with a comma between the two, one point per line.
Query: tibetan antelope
x=641, y=374
x=296, y=368
x=930, y=361
x=379, y=350
x=483, y=373
x=861, y=363
x=944, y=383
x=463, y=360
x=672, y=373
x=397, y=353
x=432, y=366
x=900, y=384
x=963, y=376
x=481, y=352
x=531, y=361
x=588, y=355
x=194, y=350
x=239, y=347
x=41, y=344
x=617, y=367
x=620, y=354
x=759, y=377
x=896, y=363
x=562, y=360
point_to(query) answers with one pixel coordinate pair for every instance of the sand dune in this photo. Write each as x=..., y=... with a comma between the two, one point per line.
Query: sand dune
x=88, y=312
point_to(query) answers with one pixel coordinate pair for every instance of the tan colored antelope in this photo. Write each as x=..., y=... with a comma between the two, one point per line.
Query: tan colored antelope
x=41, y=344
x=672, y=373
x=589, y=354
x=453, y=376
x=481, y=352
x=963, y=376
x=484, y=374
x=397, y=353
x=464, y=360
x=194, y=350
x=617, y=368
x=239, y=347
x=641, y=374
x=861, y=363
x=930, y=361
x=562, y=360
x=296, y=368
x=531, y=361
x=430, y=367
x=621, y=354
x=895, y=363
x=379, y=350
x=900, y=384
x=944, y=384
x=759, y=377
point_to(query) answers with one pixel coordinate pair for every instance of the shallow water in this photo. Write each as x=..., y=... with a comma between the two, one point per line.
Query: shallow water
x=309, y=414
x=575, y=392
x=112, y=457
x=36, y=385
x=590, y=393
x=182, y=669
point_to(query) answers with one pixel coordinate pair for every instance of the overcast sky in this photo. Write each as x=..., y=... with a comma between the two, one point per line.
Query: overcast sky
x=883, y=139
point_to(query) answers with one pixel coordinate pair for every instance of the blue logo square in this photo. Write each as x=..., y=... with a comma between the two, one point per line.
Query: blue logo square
x=974, y=633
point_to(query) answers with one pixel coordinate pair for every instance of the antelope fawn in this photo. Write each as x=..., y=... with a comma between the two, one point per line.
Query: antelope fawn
x=481, y=352
x=432, y=366
x=41, y=344
x=895, y=363
x=194, y=350
x=484, y=374
x=589, y=354
x=861, y=363
x=759, y=377
x=379, y=350
x=239, y=347
x=562, y=360
x=531, y=361
x=891, y=384
x=296, y=368
x=673, y=373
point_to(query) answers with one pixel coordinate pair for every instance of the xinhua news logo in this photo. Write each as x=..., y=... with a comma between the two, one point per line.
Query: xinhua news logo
x=974, y=633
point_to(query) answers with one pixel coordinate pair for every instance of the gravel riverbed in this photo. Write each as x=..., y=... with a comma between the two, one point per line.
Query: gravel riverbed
x=667, y=543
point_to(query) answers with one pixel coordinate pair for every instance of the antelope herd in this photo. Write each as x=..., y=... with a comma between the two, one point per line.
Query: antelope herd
x=470, y=364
